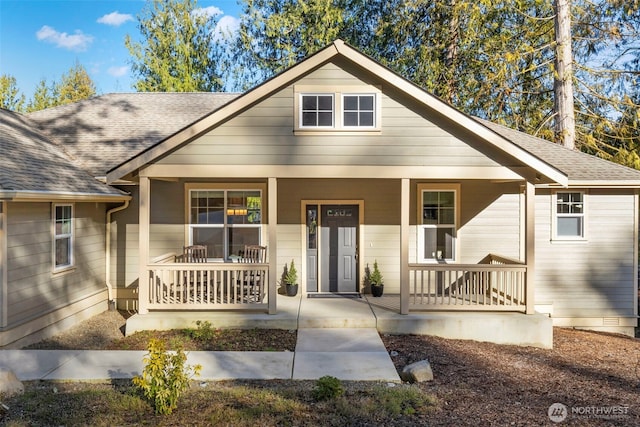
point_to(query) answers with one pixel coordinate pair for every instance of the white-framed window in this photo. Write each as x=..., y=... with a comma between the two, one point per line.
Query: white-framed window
x=348, y=109
x=569, y=215
x=437, y=223
x=359, y=110
x=62, y=236
x=317, y=110
x=225, y=220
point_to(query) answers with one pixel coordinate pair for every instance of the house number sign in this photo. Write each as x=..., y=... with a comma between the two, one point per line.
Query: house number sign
x=339, y=212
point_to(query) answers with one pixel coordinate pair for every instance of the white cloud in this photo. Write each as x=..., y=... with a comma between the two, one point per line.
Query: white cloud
x=118, y=71
x=115, y=18
x=77, y=41
x=227, y=25
x=209, y=12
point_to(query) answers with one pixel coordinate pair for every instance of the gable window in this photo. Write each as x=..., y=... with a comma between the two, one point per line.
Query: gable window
x=437, y=224
x=317, y=110
x=225, y=221
x=569, y=215
x=358, y=110
x=348, y=109
x=62, y=236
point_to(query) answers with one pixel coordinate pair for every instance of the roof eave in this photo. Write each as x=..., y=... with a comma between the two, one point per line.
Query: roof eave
x=595, y=184
x=37, y=196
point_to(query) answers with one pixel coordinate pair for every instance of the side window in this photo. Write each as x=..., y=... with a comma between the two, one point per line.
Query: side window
x=437, y=225
x=62, y=236
x=569, y=215
x=317, y=111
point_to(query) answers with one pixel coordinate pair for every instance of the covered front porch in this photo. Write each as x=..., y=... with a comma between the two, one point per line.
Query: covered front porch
x=491, y=282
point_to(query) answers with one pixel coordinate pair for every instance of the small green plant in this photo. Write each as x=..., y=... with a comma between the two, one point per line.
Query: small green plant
x=204, y=331
x=376, y=276
x=165, y=376
x=327, y=387
x=291, y=277
x=403, y=400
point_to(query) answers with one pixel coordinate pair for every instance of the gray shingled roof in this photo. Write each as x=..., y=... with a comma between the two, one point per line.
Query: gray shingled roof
x=578, y=166
x=29, y=162
x=102, y=132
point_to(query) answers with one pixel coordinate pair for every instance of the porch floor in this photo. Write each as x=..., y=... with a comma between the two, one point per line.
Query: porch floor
x=382, y=313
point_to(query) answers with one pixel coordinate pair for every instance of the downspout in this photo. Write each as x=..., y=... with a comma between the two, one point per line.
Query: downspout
x=112, y=302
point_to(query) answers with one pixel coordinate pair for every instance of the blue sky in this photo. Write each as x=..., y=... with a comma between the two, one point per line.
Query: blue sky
x=44, y=38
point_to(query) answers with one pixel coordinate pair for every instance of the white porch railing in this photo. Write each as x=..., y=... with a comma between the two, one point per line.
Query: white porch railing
x=206, y=286
x=496, y=284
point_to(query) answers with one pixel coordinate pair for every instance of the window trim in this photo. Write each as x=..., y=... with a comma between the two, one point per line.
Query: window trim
x=442, y=187
x=338, y=94
x=55, y=237
x=555, y=215
x=225, y=187
x=375, y=110
x=301, y=115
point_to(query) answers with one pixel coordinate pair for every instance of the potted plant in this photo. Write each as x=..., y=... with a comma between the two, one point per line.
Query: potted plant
x=290, y=277
x=377, y=285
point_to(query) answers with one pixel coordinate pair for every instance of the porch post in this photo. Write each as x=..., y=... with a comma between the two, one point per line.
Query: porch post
x=405, y=287
x=530, y=238
x=272, y=197
x=143, y=244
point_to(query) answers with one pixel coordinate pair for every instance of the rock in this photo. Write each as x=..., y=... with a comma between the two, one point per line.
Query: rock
x=417, y=372
x=9, y=383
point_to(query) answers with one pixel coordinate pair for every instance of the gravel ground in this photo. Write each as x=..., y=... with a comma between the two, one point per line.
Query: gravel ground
x=595, y=375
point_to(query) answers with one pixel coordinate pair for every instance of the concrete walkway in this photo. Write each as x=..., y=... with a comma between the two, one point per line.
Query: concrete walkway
x=336, y=337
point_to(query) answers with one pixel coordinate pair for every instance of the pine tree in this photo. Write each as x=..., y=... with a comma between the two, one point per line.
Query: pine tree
x=276, y=34
x=179, y=51
x=10, y=96
x=75, y=85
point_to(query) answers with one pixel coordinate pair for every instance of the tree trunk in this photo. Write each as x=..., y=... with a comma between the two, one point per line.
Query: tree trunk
x=451, y=54
x=565, y=123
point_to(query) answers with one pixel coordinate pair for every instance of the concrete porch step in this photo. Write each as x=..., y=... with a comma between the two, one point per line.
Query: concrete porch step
x=335, y=313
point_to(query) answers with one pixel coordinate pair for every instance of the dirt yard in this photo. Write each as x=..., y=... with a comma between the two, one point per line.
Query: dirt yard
x=596, y=376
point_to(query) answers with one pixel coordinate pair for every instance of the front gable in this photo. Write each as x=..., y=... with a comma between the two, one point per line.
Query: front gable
x=419, y=135
x=269, y=134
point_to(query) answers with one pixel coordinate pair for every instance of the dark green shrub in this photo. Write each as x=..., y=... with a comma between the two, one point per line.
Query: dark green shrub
x=327, y=387
x=204, y=332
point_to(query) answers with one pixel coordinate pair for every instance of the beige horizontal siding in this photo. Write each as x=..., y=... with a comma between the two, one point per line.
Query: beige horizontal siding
x=289, y=248
x=33, y=288
x=490, y=221
x=381, y=197
x=264, y=134
x=591, y=278
x=382, y=244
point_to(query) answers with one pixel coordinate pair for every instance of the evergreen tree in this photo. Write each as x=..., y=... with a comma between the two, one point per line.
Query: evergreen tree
x=75, y=85
x=179, y=51
x=276, y=34
x=10, y=96
x=45, y=96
